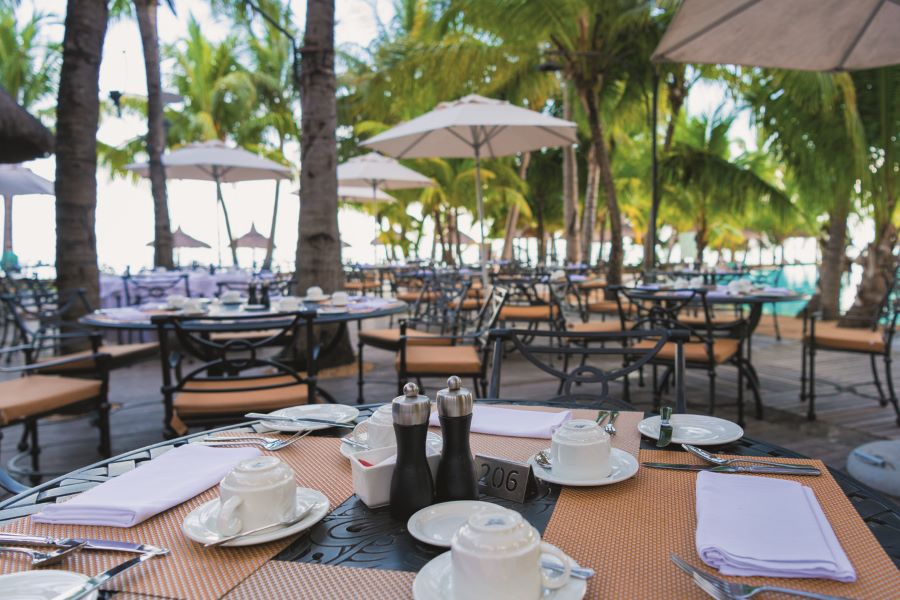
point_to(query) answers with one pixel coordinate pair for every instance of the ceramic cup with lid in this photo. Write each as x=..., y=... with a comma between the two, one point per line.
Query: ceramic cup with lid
x=339, y=299
x=175, y=300
x=230, y=296
x=580, y=450
x=289, y=304
x=379, y=429
x=497, y=555
x=314, y=293
x=257, y=492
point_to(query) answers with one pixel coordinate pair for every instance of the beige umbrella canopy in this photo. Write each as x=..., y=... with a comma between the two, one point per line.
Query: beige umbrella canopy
x=182, y=240
x=805, y=35
x=252, y=239
x=22, y=137
x=16, y=180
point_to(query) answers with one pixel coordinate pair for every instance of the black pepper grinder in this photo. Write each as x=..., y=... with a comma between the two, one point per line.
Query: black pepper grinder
x=264, y=290
x=411, y=485
x=251, y=293
x=456, y=472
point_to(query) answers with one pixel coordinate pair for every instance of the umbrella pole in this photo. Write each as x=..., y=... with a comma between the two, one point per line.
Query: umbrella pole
x=234, y=258
x=480, y=201
x=7, y=223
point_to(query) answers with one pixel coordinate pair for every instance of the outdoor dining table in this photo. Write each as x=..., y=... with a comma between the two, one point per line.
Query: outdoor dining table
x=626, y=531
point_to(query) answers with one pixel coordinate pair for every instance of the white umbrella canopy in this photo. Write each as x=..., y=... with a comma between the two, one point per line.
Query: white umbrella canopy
x=804, y=35
x=472, y=127
x=16, y=180
x=361, y=195
x=376, y=171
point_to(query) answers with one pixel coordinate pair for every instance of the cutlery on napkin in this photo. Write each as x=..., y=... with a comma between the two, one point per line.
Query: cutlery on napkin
x=494, y=420
x=768, y=527
x=158, y=484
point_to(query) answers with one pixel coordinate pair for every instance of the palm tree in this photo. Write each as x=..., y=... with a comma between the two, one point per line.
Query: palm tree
x=77, y=115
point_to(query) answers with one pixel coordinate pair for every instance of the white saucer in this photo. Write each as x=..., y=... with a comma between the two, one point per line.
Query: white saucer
x=332, y=310
x=699, y=430
x=321, y=298
x=43, y=584
x=433, y=582
x=624, y=466
x=200, y=524
x=255, y=308
x=434, y=441
x=437, y=523
x=330, y=412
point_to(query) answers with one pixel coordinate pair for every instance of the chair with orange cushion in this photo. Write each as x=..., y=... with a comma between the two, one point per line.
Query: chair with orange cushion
x=708, y=348
x=27, y=399
x=873, y=336
x=233, y=376
x=464, y=355
x=360, y=281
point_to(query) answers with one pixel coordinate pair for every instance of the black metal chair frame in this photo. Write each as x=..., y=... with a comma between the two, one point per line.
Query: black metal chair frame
x=142, y=288
x=227, y=360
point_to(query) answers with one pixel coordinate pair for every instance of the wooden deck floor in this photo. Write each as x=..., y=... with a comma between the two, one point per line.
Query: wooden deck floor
x=849, y=414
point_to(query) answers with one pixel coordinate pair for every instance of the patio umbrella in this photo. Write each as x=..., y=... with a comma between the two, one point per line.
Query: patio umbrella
x=252, y=239
x=345, y=244
x=472, y=127
x=362, y=195
x=16, y=180
x=805, y=35
x=22, y=137
x=182, y=240
x=214, y=161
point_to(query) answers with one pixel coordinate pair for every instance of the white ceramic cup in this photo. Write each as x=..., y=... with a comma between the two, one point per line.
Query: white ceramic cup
x=175, y=300
x=192, y=305
x=314, y=293
x=231, y=296
x=339, y=299
x=580, y=450
x=498, y=556
x=257, y=492
x=289, y=304
x=379, y=429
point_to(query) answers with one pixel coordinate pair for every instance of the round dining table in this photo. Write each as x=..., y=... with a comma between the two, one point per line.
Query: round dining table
x=356, y=551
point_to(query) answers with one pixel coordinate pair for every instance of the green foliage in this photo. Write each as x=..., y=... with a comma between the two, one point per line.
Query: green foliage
x=29, y=65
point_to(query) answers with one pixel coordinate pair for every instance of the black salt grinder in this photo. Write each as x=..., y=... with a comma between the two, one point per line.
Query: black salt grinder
x=412, y=487
x=456, y=472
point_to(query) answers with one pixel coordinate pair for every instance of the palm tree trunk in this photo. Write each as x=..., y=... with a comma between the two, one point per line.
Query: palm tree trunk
x=570, y=189
x=512, y=217
x=589, y=213
x=833, y=261
x=617, y=251
x=221, y=199
x=156, y=132
x=542, y=248
x=7, y=223
x=77, y=115
x=270, y=247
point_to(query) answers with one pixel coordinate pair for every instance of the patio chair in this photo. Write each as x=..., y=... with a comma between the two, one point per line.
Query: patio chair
x=45, y=332
x=436, y=312
x=708, y=347
x=629, y=351
x=462, y=354
x=874, y=338
x=526, y=304
x=27, y=399
x=360, y=281
x=232, y=377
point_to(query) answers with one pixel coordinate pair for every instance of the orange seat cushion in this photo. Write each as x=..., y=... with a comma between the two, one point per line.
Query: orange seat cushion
x=391, y=338
x=412, y=296
x=470, y=304
x=541, y=312
x=357, y=285
x=117, y=353
x=189, y=403
x=696, y=352
x=829, y=335
x=610, y=326
x=38, y=394
x=244, y=335
x=604, y=306
x=447, y=360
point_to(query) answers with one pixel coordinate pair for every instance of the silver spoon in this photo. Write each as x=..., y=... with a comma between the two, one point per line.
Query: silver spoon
x=610, y=427
x=543, y=460
x=352, y=442
x=236, y=536
x=577, y=572
x=717, y=460
x=271, y=446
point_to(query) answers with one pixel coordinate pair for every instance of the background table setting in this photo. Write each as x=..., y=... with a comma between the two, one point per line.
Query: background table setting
x=625, y=528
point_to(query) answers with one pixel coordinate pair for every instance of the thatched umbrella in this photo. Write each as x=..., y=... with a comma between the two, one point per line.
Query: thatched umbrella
x=22, y=137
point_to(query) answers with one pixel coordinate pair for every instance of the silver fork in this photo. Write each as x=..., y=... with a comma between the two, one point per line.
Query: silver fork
x=44, y=559
x=610, y=427
x=724, y=590
x=271, y=445
x=239, y=438
x=718, y=460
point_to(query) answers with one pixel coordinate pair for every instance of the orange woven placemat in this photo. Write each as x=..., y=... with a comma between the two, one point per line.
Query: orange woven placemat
x=191, y=571
x=517, y=448
x=279, y=579
x=628, y=531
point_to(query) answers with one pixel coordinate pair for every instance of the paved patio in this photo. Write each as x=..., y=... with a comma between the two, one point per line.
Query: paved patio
x=848, y=413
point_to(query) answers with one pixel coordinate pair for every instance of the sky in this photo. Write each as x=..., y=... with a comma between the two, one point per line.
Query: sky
x=124, y=205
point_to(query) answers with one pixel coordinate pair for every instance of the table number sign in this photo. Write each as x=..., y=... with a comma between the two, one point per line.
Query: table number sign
x=504, y=478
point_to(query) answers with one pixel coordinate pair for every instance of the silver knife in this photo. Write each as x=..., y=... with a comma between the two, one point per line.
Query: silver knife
x=264, y=417
x=793, y=470
x=89, y=544
x=665, y=427
x=83, y=589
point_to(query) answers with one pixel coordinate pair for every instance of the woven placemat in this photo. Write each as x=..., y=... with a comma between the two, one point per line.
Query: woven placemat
x=279, y=579
x=628, y=531
x=520, y=449
x=191, y=571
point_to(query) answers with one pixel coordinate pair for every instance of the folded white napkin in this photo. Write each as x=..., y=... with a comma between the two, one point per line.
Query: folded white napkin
x=775, y=291
x=126, y=314
x=159, y=484
x=748, y=525
x=494, y=420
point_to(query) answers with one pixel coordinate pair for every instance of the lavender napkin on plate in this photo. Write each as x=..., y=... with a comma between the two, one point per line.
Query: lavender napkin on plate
x=494, y=420
x=749, y=525
x=157, y=485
